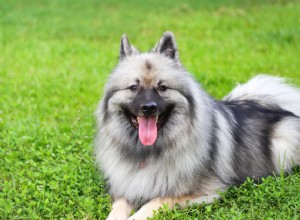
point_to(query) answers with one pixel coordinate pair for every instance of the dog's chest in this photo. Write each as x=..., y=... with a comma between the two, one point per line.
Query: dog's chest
x=147, y=180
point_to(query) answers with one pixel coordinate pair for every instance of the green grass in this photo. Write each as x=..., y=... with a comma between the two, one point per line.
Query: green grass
x=55, y=56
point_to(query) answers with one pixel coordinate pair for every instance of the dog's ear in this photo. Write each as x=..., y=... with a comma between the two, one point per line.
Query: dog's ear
x=126, y=49
x=167, y=46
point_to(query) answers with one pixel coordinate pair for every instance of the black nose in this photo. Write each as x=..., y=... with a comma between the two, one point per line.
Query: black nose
x=149, y=108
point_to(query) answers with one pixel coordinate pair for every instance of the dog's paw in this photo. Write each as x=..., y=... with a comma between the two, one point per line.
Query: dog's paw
x=116, y=217
x=139, y=216
x=112, y=218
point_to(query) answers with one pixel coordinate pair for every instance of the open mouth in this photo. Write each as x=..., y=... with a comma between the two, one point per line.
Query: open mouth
x=148, y=126
x=135, y=120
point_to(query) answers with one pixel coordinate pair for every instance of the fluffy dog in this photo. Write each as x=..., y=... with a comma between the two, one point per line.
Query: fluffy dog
x=162, y=140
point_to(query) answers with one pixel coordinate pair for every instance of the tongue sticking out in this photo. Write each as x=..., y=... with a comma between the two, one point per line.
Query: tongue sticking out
x=147, y=130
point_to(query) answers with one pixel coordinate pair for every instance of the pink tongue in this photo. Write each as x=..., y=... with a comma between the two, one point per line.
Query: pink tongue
x=147, y=130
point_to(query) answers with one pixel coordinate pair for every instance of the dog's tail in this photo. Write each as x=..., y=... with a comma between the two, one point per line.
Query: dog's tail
x=268, y=90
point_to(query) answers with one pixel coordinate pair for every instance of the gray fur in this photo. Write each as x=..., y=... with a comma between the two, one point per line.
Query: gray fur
x=125, y=48
x=167, y=46
x=205, y=145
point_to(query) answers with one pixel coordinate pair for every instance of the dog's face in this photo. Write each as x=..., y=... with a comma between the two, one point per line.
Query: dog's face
x=149, y=107
x=149, y=92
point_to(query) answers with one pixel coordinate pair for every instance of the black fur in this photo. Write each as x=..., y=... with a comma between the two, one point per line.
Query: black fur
x=252, y=120
x=145, y=96
x=107, y=96
x=167, y=48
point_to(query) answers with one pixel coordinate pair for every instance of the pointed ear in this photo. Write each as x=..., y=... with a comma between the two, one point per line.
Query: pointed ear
x=125, y=48
x=167, y=46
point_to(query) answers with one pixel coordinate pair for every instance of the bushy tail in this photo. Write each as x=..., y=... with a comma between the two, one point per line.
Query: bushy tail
x=268, y=90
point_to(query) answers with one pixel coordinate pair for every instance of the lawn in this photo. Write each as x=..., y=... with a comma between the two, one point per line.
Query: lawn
x=55, y=56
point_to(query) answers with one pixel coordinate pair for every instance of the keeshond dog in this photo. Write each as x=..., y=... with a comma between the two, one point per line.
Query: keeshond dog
x=162, y=140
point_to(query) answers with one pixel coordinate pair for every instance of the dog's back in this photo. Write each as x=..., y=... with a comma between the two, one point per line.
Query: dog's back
x=268, y=90
x=274, y=93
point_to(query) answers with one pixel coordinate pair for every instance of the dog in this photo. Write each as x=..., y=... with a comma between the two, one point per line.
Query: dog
x=161, y=139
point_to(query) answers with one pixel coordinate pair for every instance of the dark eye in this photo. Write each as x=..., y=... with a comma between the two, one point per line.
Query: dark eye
x=133, y=87
x=162, y=88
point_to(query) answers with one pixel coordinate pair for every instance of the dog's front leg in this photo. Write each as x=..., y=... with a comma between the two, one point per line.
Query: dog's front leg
x=120, y=210
x=147, y=210
x=153, y=205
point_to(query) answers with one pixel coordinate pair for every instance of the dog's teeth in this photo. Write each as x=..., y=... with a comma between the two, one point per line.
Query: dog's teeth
x=138, y=119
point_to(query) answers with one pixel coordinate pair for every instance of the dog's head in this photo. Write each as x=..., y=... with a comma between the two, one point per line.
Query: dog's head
x=148, y=93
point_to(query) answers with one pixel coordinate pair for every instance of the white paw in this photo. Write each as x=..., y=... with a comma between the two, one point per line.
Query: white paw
x=139, y=216
x=116, y=217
